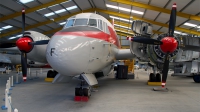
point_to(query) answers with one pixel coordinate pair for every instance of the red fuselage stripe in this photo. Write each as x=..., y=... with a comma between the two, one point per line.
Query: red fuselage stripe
x=112, y=38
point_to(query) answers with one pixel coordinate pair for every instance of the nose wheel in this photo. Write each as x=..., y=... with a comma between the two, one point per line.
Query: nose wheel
x=83, y=89
x=196, y=78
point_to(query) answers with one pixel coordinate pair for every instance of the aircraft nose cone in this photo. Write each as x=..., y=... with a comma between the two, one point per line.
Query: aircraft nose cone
x=23, y=44
x=169, y=44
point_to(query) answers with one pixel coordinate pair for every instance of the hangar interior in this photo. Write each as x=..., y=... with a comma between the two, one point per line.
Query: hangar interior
x=50, y=16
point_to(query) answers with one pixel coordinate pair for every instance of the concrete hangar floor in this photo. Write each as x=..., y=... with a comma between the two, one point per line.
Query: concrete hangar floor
x=133, y=95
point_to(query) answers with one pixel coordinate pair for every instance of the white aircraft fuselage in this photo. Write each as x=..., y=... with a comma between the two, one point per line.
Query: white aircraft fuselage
x=87, y=44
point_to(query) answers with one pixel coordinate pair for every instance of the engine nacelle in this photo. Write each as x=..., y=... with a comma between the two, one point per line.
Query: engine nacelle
x=156, y=55
x=38, y=52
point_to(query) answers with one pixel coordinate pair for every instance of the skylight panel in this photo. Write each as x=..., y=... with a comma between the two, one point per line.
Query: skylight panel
x=191, y=25
x=125, y=9
x=122, y=19
x=60, y=11
x=25, y=1
x=72, y=7
x=49, y=14
x=7, y=27
x=62, y=23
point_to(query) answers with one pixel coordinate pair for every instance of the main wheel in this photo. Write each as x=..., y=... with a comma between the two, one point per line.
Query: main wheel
x=158, y=77
x=49, y=74
x=86, y=92
x=78, y=91
x=196, y=78
x=152, y=77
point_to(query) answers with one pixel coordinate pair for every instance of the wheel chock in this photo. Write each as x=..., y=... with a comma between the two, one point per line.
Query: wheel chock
x=81, y=98
x=154, y=83
x=49, y=79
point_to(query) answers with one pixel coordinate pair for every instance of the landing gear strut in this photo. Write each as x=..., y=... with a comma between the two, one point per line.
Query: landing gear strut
x=83, y=89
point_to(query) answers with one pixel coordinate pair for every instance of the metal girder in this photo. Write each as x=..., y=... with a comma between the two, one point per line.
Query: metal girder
x=143, y=19
x=31, y=9
x=163, y=10
x=44, y=23
x=129, y=25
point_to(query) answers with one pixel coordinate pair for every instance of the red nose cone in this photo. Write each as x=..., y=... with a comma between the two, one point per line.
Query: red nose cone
x=169, y=44
x=22, y=44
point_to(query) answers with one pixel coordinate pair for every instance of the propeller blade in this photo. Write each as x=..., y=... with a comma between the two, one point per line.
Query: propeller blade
x=7, y=45
x=165, y=70
x=172, y=21
x=41, y=42
x=23, y=21
x=190, y=48
x=144, y=40
x=24, y=65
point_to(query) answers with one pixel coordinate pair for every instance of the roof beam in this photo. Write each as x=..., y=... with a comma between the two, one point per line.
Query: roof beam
x=163, y=10
x=31, y=9
x=44, y=23
x=149, y=21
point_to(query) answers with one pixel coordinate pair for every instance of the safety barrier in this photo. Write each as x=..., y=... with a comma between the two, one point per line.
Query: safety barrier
x=8, y=100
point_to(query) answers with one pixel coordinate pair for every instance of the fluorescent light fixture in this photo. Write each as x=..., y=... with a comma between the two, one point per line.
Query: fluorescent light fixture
x=12, y=37
x=1, y=29
x=62, y=23
x=49, y=14
x=72, y=7
x=41, y=9
x=25, y=1
x=20, y=35
x=124, y=9
x=66, y=1
x=121, y=26
x=122, y=19
x=7, y=27
x=53, y=5
x=124, y=32
x=177, y=32
x=192, y=25
x=60, y=11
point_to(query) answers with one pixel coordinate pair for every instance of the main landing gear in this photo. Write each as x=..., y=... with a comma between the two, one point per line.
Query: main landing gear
x=83, y=89
x=51, y=74
x=196, y=78
x=155, y=77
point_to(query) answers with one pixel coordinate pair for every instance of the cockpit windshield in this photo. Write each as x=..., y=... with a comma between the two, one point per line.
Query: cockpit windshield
x=69, y=23
x=92, y=22
x=97, y=23
x=81, y=22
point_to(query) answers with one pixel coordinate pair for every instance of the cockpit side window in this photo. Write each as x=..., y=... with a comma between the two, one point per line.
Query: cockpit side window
x=80, y=22
x=69, y=23
x=100, y=24
x=92, y=22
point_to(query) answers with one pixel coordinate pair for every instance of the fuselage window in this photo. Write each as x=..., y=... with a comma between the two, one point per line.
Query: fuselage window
x=81, y=22
x=92, y=22
x=100, y=25
x=69, y=23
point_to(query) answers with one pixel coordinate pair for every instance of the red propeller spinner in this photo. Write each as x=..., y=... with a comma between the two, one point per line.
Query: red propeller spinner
x=23, y=44
x=169, y=44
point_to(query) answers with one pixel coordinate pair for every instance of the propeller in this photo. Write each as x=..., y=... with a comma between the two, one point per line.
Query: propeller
x=167, y=44
x=23, y=53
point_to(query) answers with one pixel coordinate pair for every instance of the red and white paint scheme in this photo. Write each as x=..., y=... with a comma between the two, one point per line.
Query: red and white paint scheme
x=87, y=44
